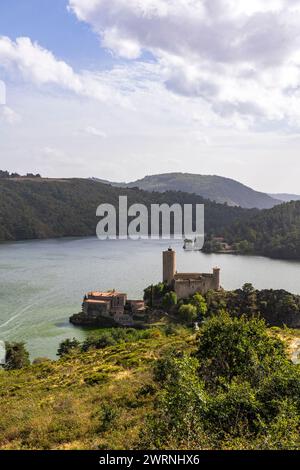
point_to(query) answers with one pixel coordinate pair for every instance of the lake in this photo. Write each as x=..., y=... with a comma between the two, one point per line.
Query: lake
x=42, y=283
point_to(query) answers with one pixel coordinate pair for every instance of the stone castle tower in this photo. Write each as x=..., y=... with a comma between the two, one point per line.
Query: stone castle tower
x=187, y=284
x=216, y=278
x=169, y=266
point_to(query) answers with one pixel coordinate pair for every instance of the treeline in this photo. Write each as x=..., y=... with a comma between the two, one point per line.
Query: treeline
x=6, y=174
x=274, y=232
x=276, y=307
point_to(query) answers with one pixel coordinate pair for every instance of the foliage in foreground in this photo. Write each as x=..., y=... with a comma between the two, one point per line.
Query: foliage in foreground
x=239, y=390
x=96, y=399
x=232, y=386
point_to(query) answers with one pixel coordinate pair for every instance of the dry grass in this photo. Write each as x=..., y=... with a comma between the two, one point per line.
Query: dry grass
x=90, y=400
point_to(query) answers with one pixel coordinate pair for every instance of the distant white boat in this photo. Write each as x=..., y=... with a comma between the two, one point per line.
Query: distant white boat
x=193, y=245
x=188, y=245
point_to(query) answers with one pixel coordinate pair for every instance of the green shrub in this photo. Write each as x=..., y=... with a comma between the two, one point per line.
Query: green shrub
x=16, y=357
x=169, y=300
x=95, y=379
x=200, y=303
x=239, y=390
x=188, y=313
x=67, y=346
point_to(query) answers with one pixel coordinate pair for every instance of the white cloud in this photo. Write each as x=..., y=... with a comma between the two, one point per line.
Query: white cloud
x=40, y=67
x=95, y=132
x=241, y=56
x=219, y=30
x=2, y=93
x=222, y=86
x=9, y=116
x=123, y=46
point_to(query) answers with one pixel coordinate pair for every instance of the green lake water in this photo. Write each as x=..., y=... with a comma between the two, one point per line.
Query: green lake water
x=42, y=282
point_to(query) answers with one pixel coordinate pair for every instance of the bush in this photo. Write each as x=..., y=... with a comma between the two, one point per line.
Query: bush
x=231, y=347
x=114, y=336
x=239, y=390
x=169, y=300
x=17, y=356
x=98, y=342
x=95, y=379
x=199, y=302
x=188, y=313
x=108, y=416
x=67, y=346
x=154, y=294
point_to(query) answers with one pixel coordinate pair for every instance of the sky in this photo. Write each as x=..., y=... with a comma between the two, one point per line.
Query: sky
x=120, y=89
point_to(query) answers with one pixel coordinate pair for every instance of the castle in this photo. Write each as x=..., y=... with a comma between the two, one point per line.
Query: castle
x=113, y=308
x=187, y=284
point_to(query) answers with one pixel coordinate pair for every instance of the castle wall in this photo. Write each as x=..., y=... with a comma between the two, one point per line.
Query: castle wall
x=187, y=284
x=187, y=288
x=97, y=308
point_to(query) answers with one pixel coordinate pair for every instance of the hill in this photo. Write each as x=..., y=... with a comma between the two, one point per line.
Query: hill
x=215, y=188
x=75, y=403
x=274, y=233
x=35, y=208
x=165, y=389
x=286, y=197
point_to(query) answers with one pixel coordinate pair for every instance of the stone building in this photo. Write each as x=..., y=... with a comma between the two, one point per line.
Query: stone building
x=108, y=303
x=109, y=308
x=187, y=284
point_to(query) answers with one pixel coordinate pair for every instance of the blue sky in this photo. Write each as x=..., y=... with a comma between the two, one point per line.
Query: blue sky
x=55, y=28
x=119, y=89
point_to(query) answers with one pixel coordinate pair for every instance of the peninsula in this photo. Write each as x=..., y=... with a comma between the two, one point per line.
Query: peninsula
x=113, y=308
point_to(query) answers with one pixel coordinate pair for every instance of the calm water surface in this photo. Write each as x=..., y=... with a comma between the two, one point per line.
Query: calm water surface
x=42, y=282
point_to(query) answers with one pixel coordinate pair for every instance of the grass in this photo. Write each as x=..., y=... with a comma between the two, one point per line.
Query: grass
x=92, y=400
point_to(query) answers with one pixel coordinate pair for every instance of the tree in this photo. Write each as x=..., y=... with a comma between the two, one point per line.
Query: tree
x=247, y=299
x=4, y=174
x=176, y=423
x=17, y=356
x=188, y=313
x=199, y=302
x=102, y=341
x=154, y=294
x=240, y=390
x=169, y=300
x=67, y=346
x=236, y=347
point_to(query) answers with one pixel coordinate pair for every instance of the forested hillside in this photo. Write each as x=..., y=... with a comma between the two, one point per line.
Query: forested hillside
x=274, y=232
x=36, y=208
x=42, y=208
